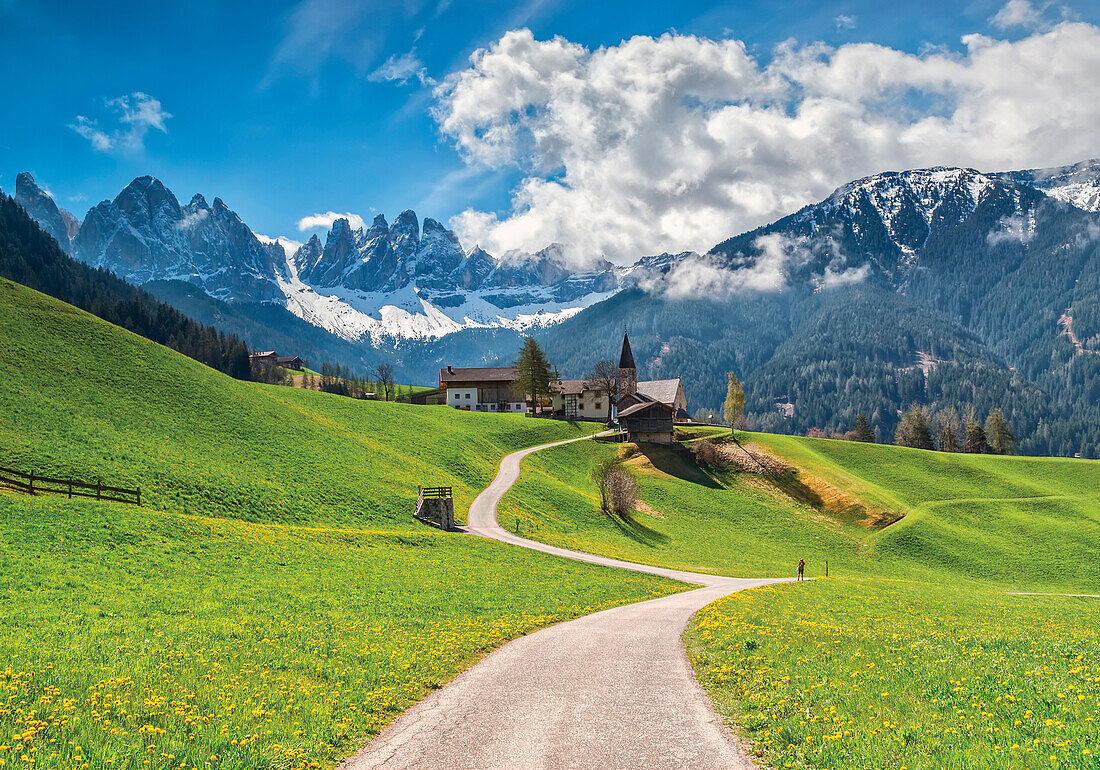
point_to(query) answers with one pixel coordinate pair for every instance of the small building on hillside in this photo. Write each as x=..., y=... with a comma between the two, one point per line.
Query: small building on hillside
x=579, y=400
x=643, y=417
x=271, y=358
x=482, y=390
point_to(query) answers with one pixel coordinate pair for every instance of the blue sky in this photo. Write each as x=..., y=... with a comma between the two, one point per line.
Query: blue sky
x=285, y=110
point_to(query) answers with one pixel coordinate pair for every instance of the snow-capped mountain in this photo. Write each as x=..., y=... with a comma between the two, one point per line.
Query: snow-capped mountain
x=38, y=203
x=885, y=225
x=144, y=234
x=1078, y=184
x=379, y=283
x=403, y=281
x=383, y=283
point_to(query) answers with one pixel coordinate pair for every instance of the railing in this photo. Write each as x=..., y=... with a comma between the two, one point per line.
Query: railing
x=435, y=492
x=34, y=484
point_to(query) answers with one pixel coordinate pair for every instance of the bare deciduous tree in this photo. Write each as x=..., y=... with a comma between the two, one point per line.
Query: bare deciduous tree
x=604, y=378
x=618, y=488
x=385, y=381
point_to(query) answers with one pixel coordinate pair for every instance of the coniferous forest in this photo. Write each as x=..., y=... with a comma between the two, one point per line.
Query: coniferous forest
x=32, y=258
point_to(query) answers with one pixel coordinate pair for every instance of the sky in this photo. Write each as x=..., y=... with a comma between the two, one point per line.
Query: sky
x=615, y=128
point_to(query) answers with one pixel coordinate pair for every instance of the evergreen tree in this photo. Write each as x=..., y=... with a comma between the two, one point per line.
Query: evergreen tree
x=533, y=372
x=734, y=407
x=975, y=439
x=913, y=430
x=998, y=435
x=863, y=430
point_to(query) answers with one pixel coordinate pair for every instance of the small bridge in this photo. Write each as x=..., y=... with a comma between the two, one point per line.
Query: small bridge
x=436, y=506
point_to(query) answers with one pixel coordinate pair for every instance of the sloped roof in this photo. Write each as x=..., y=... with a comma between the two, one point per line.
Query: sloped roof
x=264, y=353
x=488, y=374
x=660, y=390
x=569, y=387
x=636, y=408
x=626, y=358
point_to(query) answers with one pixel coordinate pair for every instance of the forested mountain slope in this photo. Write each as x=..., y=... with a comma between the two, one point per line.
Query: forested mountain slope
x=941, y=287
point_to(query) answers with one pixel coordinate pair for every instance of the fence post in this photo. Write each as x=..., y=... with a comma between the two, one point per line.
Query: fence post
x=826, y=569
x=70, y=489
x=98, y=490
x=139, y=496
x=32, y=482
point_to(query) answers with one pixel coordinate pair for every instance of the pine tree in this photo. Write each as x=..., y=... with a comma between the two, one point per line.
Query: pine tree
x=734, y=407
x=998, y=435
x=863, y=430
x=913, y=430
x=533, y=371
x=976, y=442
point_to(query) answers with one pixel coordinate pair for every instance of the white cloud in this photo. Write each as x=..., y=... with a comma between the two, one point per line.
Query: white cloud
x=766, y=270
x=843, y=21
x=325, y=220
x=193, y=219
x=1017, y=13
x=401, y=68
x=675, y=143
x=1011, y=229
x=289, y=245
x=132, y=117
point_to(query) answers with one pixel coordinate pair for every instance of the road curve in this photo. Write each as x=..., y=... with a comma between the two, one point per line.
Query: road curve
x=609, y=690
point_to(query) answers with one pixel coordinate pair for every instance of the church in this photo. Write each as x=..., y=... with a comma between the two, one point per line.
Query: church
x=643, y=415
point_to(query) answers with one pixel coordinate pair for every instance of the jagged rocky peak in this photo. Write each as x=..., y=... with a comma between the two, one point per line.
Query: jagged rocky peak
x=198, y=202
x=40, y=205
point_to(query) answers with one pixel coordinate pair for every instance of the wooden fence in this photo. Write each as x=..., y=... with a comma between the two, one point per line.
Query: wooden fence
x=435, y=492
x=34, y=484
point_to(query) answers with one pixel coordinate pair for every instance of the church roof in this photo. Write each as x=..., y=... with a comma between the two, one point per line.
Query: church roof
x=626, y=360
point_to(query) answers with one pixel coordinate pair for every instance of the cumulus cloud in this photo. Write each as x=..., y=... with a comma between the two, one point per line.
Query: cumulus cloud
x=325, y=220
x=843, y=21
x=401, y=69
x=677, y=142
x=1017, y=13
x=124, y=131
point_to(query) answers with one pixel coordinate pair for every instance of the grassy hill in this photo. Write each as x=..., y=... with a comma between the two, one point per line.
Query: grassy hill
x=920, y=650
x=273, y=604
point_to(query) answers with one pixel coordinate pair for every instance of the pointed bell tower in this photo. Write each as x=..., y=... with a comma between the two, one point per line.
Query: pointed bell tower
x=628, y=373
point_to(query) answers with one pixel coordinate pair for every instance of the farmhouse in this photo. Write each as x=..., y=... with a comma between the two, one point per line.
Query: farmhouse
x=271, y=358
x=482, y=390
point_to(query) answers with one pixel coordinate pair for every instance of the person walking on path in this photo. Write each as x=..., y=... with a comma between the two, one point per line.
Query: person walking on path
x=801, y=567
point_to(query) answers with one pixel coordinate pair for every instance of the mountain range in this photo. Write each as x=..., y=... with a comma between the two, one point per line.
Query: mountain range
x=899, y=288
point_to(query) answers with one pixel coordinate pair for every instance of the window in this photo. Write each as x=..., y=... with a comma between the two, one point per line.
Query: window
x=467, y=395
x=597, y=405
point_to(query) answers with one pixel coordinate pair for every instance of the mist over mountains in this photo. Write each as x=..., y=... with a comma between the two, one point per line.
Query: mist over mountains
x=941, y=286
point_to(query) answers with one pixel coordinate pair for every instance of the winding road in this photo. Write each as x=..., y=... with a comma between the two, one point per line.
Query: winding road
x=609, y=690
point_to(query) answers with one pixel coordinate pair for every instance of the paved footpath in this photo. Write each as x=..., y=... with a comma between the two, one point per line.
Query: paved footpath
x=608, y=690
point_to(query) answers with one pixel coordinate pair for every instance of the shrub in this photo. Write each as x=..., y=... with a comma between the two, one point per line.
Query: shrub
x=618, y=488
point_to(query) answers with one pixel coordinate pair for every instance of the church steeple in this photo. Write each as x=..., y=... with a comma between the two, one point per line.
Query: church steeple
x=628, y=373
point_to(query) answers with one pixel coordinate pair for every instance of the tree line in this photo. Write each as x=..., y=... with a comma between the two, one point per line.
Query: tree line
x=31, y=257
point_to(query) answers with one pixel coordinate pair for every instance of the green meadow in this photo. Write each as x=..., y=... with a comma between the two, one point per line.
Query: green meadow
x=273, y=604
x=922, y=649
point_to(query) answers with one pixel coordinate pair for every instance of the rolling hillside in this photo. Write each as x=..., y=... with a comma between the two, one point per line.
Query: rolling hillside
x=953, y=637
x=274, y=604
